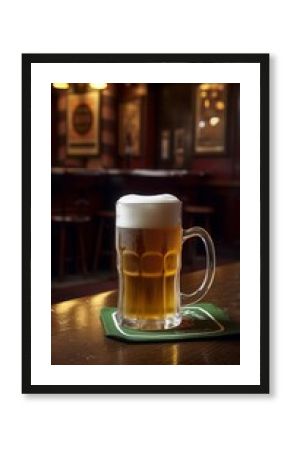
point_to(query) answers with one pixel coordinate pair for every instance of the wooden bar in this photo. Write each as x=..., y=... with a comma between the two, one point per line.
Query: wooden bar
x=78, y=336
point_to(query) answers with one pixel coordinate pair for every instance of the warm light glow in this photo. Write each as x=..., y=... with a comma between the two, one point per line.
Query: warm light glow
x=213, y=121
x=214, y=94
x=175, y=355
x=212, y=86
x=205, y=86
x=220, y=105
x=64, y=308
x=60, y=85
x=206, y=103
x=81, y=315
x=201, y=124
x=203, y=94
x=98, y=299
x=98, y=85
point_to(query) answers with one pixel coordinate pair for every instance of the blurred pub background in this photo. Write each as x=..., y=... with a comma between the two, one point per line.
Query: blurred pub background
x=112, y=139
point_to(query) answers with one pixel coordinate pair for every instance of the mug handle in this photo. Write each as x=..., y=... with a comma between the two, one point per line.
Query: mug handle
x=200, y=292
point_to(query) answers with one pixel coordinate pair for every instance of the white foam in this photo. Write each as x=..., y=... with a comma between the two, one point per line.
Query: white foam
x=148, y=211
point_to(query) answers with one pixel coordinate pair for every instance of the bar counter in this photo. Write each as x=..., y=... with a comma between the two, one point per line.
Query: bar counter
x=78, y=336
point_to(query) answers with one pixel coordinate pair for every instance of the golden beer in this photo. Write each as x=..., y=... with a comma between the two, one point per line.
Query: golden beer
x=149, y=265
x=149, y=238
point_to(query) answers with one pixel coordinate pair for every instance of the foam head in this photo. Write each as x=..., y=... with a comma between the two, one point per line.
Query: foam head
x=148, y=211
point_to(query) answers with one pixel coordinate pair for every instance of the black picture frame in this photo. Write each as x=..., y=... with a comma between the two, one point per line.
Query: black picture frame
x=263, y=61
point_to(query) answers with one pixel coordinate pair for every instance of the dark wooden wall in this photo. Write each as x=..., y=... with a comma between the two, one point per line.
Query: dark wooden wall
x=147, y=96
x=164, y=106
x=169, y=106
x=176, y=109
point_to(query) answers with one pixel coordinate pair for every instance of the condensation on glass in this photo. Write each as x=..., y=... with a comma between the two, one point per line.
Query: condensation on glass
x=210, y=126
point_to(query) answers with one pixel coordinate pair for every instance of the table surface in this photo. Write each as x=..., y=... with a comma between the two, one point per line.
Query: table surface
x=78, y=336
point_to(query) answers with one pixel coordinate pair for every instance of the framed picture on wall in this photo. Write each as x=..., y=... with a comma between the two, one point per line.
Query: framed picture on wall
x=130, y=128
x=83, y=124
x=179, y=148
x=210, y=123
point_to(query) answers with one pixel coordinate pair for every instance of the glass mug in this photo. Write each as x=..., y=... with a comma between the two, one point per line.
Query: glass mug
x=149, y=239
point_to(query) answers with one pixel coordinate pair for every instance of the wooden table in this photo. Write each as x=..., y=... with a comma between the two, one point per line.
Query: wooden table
x=78, y=337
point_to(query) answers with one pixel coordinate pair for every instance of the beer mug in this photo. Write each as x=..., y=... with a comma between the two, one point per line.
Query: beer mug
x=149, y=239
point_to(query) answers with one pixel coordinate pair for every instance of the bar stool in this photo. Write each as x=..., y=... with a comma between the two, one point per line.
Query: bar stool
x=204, y=213
x=67, y=220
x=106, y=219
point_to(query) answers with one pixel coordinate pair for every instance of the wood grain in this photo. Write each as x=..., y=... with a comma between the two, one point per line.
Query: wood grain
x=78, y=337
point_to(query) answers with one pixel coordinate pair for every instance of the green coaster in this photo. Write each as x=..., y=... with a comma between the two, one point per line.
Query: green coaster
x=204, y=320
